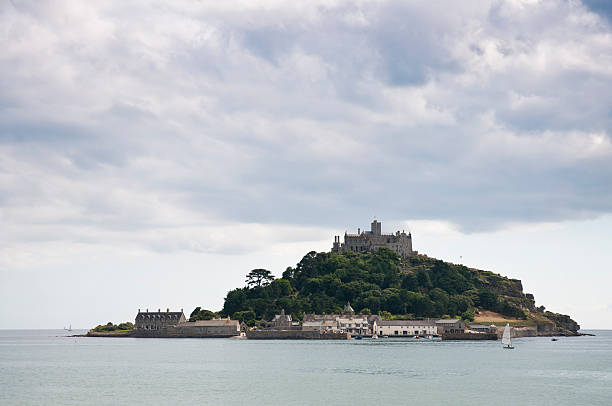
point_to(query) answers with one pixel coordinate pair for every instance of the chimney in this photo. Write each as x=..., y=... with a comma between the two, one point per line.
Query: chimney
x=147, y=310
x=358, y=230
x=168, y=310
x=158, y=310
x=181, y=310
x=138, y=310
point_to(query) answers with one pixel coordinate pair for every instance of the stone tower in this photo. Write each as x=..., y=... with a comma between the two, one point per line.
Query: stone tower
x=376, y=228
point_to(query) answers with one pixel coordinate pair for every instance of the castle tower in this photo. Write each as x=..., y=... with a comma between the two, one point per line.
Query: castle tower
x=376, y=228
x=336, y=246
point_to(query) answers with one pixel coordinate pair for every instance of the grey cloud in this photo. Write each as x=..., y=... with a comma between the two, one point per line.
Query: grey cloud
x=477, y=116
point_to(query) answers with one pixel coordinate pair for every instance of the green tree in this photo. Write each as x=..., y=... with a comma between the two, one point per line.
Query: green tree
x=202, y=314
x=245, y=315
x=234, y=301
x=280, y=288
x=410, y=282
x=487, y=299
x=441, y=301
x=468, y=315
x=424, y=279
x=259, y=277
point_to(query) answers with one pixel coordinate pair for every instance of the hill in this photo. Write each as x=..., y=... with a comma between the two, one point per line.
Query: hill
x=383, y=283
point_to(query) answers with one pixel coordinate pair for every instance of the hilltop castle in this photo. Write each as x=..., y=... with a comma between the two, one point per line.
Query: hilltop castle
x=373, y=240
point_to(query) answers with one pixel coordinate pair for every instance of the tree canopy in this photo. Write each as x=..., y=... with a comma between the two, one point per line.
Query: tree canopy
x=379, y=282
x=202, y=314
x=259, y=277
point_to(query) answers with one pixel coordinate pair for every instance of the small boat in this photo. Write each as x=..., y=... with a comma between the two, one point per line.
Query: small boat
x=506, y=343
x=374, y=337
x=358, y=338
x=554, y=339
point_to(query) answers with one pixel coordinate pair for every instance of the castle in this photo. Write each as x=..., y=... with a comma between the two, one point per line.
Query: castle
x=373, y=240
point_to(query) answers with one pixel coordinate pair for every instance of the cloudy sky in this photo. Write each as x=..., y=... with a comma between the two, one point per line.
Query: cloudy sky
x=152, y=153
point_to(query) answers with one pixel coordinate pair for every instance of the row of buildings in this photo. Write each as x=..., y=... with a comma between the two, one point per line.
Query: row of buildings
x=367, y=325
x=175, y=324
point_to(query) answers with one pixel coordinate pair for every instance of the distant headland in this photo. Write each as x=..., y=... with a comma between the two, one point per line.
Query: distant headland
x=396, y=291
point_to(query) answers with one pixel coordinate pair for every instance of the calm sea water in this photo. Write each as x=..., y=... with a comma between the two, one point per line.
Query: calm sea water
x=44, y=367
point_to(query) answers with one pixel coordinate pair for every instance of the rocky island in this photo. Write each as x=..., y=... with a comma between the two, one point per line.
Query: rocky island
x=384, y=279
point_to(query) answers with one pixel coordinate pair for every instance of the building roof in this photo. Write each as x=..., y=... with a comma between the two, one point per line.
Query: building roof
x=447, y=321
x=282, y=317
x=351, y=318
x=318, y=323
x=159, y=315
x=406, y=323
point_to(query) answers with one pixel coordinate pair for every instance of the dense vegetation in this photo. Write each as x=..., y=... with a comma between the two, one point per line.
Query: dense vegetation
x=374, y=282
x=202, y=314
x=127, y=326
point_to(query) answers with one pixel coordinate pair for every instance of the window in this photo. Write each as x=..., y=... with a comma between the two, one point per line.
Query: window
x=396, y=332
x=405, y=333
x=381, y=333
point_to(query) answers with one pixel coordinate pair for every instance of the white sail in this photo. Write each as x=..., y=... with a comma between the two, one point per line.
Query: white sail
x=506, y=336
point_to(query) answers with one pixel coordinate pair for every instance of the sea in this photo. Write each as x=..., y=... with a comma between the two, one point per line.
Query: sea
x=49, y=367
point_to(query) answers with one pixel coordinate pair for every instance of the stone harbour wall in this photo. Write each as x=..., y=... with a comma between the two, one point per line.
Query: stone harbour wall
x=295, y=335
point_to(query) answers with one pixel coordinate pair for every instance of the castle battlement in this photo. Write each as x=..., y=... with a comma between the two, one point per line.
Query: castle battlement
x=374, y=239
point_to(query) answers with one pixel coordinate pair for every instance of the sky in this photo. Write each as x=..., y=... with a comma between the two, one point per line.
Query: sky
x=152, y=153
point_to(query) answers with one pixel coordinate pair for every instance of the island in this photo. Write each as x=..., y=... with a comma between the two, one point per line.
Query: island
x=396, y=292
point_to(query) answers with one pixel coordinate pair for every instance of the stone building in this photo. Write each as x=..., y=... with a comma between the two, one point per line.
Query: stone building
x=347, y=322
x=284, y=321
x=158, y=320
x=374, y=239
x=281, y=320
x=174, y=324
x=446, y=326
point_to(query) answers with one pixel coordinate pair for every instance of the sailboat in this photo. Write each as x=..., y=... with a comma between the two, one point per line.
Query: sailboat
x=506, y=343
x=69, y=328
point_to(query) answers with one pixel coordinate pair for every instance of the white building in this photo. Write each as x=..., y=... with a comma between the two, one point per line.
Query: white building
x=321, y=325
x=408, y=328
x=356, y=325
